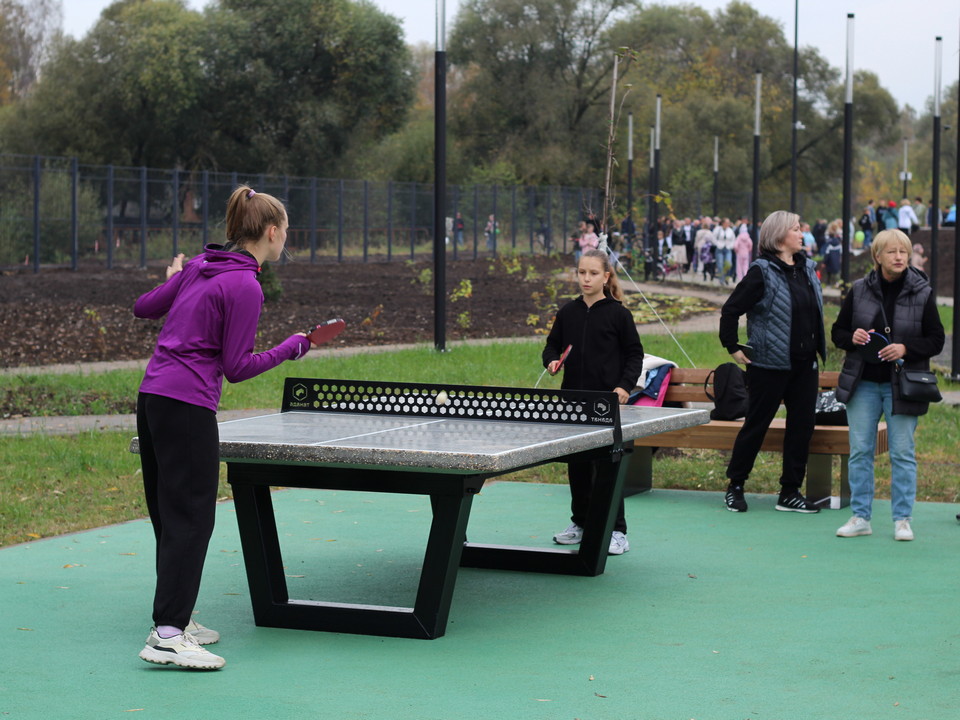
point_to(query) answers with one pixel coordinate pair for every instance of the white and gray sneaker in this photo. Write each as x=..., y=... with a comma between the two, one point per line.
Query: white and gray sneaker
x=571, y=536
x=181, y=650
x=618, y=543
x=854, y=527
x=203, y=635
x=901, y=530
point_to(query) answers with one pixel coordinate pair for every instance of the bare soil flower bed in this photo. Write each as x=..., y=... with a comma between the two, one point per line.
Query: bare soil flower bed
x=64, y=316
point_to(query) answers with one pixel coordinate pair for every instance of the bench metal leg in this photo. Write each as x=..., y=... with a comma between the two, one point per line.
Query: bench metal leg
x=820, y=482
x=639, y=472
x=843, y=499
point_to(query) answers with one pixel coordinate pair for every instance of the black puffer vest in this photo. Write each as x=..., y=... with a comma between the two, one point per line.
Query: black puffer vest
x=907, y=325
x=768, y=324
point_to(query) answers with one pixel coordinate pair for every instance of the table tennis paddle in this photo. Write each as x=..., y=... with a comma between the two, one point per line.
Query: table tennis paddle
x=563, y=357
x=869, y=351
x=326, y=331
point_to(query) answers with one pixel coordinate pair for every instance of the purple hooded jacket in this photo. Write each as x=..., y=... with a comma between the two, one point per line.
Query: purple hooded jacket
x=212, y=308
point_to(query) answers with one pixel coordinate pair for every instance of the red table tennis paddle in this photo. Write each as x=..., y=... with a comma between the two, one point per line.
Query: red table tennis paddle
x=563, y=357
x=326, y=331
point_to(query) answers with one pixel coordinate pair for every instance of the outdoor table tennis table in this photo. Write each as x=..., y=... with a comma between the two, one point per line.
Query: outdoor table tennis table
x=439, y=441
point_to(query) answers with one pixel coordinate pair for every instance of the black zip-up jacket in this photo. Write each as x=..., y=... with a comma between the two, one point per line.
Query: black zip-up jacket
x=606, y=350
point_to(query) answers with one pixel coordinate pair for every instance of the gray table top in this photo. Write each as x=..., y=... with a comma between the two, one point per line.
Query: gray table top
x=429, y=443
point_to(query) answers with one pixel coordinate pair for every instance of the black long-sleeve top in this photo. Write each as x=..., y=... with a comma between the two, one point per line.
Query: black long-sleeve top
x=606, y=353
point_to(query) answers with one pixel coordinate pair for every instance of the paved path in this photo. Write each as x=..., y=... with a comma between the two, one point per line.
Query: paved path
x=87, y=423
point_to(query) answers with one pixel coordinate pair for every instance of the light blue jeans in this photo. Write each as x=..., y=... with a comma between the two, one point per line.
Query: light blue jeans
x=723, y=256
x=871, y=400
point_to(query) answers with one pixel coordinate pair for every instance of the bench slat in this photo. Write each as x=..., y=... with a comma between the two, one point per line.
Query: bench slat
x=720, y=435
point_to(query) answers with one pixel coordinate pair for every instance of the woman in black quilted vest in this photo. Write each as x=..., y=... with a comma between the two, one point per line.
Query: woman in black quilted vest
x=781, y=297
x=896, y=302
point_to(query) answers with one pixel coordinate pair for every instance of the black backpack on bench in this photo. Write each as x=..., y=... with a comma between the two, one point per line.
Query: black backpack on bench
x=729, y=392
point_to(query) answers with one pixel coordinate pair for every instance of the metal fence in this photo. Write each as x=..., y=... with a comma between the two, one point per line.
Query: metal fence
x=57, y=211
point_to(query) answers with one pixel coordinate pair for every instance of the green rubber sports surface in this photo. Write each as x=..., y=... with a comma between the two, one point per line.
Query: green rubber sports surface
x=711, y=615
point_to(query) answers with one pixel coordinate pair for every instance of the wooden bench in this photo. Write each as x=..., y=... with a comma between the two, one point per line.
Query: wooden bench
x=687, y=386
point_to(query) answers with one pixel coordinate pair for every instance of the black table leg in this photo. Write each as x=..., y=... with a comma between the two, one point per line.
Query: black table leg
x=261, y=548
x=589, y=559
x=272, y=606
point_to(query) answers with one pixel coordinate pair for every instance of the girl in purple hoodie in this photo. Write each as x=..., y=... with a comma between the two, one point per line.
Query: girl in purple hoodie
x=212, y=306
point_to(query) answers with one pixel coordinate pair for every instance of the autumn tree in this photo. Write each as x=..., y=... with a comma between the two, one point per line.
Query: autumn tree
x=255, y=86
x=327, y=76
x=126, y=94
x=28, y=30
x=535, y=76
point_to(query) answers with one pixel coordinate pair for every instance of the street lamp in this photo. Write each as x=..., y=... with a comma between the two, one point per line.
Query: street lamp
x=935, y=220
x=756, y=166
x=905, y=175
x=630, y=165
x=716, y=171
x=847, y=158
x=440, y=183
x=796, y=121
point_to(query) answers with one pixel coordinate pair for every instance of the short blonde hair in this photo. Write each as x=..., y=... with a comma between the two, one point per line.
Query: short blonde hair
x=774, y=229
x=889, y=237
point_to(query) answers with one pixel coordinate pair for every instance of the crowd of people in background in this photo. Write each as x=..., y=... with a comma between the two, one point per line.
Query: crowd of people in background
x=720, y=249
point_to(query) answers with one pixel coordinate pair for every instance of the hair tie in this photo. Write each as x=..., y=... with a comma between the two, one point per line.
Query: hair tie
x=251, y=193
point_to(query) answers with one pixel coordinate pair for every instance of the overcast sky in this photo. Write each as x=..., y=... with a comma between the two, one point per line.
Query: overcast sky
x=893, y=38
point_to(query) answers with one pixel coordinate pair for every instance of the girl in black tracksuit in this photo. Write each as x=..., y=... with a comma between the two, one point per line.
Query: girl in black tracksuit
x=606, y=356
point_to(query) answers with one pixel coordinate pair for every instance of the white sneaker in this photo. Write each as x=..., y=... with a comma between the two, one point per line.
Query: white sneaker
x=182, y=650
x=618, y=543
x=902, y=531
x=203, y=635
x=571, y=536
x=855, y=526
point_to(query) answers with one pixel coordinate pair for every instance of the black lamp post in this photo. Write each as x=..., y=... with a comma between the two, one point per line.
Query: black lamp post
x=935, y=201
x=756, y=167
x=955, y=347
x=847, y=158
x=796, y=121
x=716, y=171
x=630, y=165
x=440, y=184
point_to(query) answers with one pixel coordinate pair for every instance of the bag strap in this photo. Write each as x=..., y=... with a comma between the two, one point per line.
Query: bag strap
x=707, y=383
x=886, y=324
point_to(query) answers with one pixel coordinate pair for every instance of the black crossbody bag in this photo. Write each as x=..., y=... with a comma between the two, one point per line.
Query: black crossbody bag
x=915, y=385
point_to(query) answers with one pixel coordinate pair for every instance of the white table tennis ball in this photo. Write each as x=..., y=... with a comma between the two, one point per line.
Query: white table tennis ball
x=441, y=398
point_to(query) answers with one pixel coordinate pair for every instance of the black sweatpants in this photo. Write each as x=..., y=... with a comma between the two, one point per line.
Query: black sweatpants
x=797, y=388
x=582, y=476
x=180, y=457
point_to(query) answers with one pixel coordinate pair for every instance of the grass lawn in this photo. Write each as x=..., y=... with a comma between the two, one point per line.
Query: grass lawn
x=50, y=485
